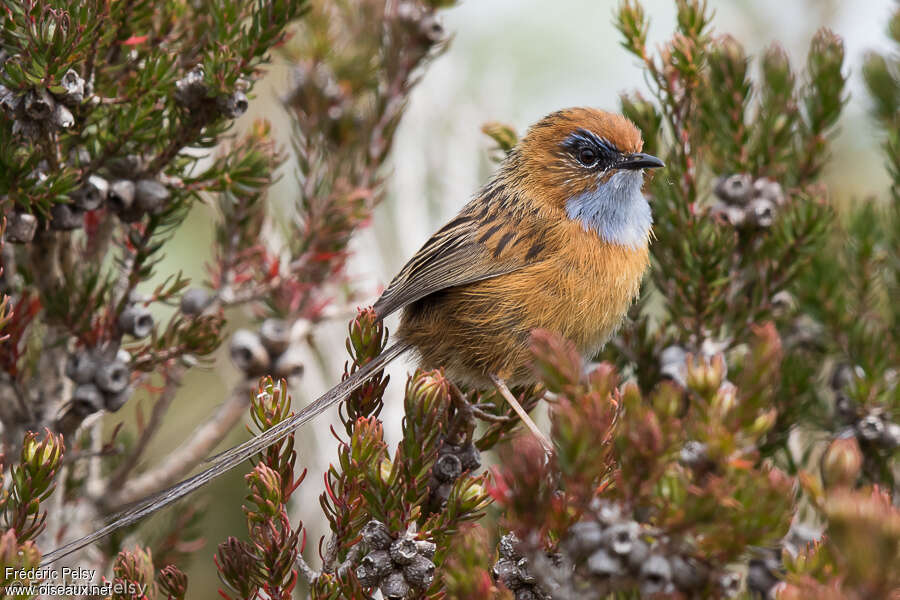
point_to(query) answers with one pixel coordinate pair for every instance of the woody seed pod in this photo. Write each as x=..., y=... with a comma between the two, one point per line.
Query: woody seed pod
x=80, y=367
x=20, y=227
x=136, y=321
x=275, y=335
x=74, y=86
x=248, y=353
x=86, y=400
x=734, y=189
x=92, y=194
x=150, y=195
x=39, y=104
x=65, y=217
x=121, y=195
x=112, y=377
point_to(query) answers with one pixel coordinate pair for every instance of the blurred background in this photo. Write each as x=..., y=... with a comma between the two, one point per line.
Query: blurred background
x=512, y=61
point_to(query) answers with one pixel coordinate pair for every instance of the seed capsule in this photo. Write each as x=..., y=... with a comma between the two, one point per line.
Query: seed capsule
x=195, y=300
x=92, y=194
x=121, y=195
x=66, y=217
x=20, y=227
x=376, y=535
x=151, y=196
x=136, y=321
x=248, y=353
x=275, y=335
x=86, y=400
x=39, y=104
x=112, y=377
x=403, y=551
x=81, y=367
x=447, y=467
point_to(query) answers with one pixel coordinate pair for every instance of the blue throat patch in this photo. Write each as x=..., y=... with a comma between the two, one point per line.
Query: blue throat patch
x=616, y=210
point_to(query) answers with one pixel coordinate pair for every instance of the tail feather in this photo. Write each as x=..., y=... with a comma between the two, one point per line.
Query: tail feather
x=224, y=462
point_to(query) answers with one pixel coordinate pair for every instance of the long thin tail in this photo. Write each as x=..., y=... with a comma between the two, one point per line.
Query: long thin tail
x=224, y=462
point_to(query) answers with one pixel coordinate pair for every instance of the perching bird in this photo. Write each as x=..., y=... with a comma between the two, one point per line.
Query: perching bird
x=558, y=240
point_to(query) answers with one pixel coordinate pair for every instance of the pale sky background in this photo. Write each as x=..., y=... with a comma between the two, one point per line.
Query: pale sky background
x=512, y=61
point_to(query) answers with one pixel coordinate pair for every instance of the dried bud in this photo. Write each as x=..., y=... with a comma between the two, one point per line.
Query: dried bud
x=289, y=363
x=419, y=573
x=673, y=364
x=687, y=574
x=74, y=86
x=136, y=321
x=728, y=213
x=248, y=353
x=508, y=547
x=86, y=400
x=92, y=194
x=151, y=196
x=121, y=196
x=39, y=104
x=113, y=402
x=783, y=302
x=870, y=428
x=80, y=367
x=730, y=584
x=195, y=300
x=191, y=89
x=761, y=212
x=426, y=548
x=734, y=189
x=275, y=335
x=769, y=189
x=447, y=467
x=845, y=376
x=403, y=551
x=584, y=537
x=764, y=573
x=506, y=572
x=62, y=117
x=20, y=227
x=376, y=535
x=9, y=100
x=656, y=576
x=112, y=377
x=604, y=565
x=469, y=456
x=65, y=217
x=394, y=586
x=890, y=437
x=620, y=537
x=234, y=105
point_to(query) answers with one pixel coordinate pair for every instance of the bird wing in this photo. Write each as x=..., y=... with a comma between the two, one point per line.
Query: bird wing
x=485, y=240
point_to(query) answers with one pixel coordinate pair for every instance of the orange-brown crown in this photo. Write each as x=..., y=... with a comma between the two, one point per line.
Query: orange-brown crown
x=547, y=156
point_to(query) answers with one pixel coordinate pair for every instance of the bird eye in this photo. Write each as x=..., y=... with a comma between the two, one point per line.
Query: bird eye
x=587, y=156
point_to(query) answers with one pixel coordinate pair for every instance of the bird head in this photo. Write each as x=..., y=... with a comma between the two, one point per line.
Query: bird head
x=588, y=163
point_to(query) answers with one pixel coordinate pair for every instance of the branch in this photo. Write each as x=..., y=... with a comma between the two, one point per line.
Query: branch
x=183, y=459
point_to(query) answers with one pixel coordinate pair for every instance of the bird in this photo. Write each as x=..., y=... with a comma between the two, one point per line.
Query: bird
x=558, y=239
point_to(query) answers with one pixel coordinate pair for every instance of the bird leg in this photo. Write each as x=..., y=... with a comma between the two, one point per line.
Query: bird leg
x=504, y=391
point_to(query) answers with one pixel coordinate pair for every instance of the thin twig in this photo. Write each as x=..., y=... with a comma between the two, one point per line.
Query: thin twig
x=504, y=391
x=184, y=458
x=173, y=381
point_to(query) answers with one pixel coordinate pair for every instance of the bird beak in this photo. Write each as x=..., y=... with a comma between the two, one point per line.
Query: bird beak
x=639, y=160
